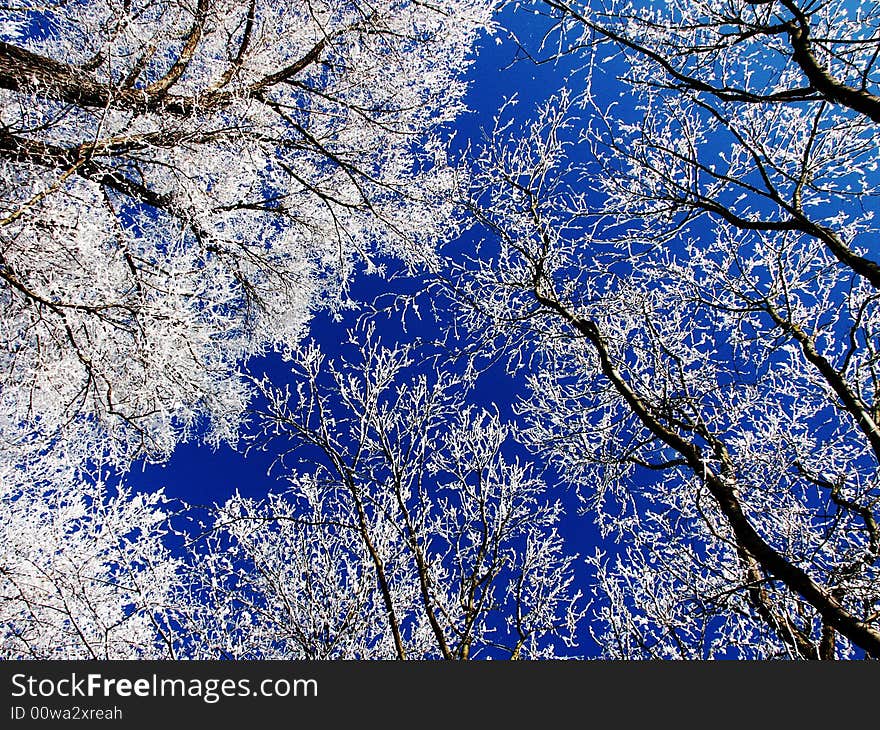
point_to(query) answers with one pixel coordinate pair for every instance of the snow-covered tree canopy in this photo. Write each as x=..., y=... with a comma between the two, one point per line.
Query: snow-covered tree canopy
x=181, y=183
x=85, y=572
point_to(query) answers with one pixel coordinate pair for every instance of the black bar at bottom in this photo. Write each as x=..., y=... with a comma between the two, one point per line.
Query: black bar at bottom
x=409, y=694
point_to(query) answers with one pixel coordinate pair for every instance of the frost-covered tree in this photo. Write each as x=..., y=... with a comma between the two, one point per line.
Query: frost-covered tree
x=85, y=570
x=406, y=532
x=182, y=183
x=683, y=246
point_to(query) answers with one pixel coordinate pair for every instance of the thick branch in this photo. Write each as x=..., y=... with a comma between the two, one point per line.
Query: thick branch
x=160, y=86
x=856, y=99
x=20, y=68
x=79, y=161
